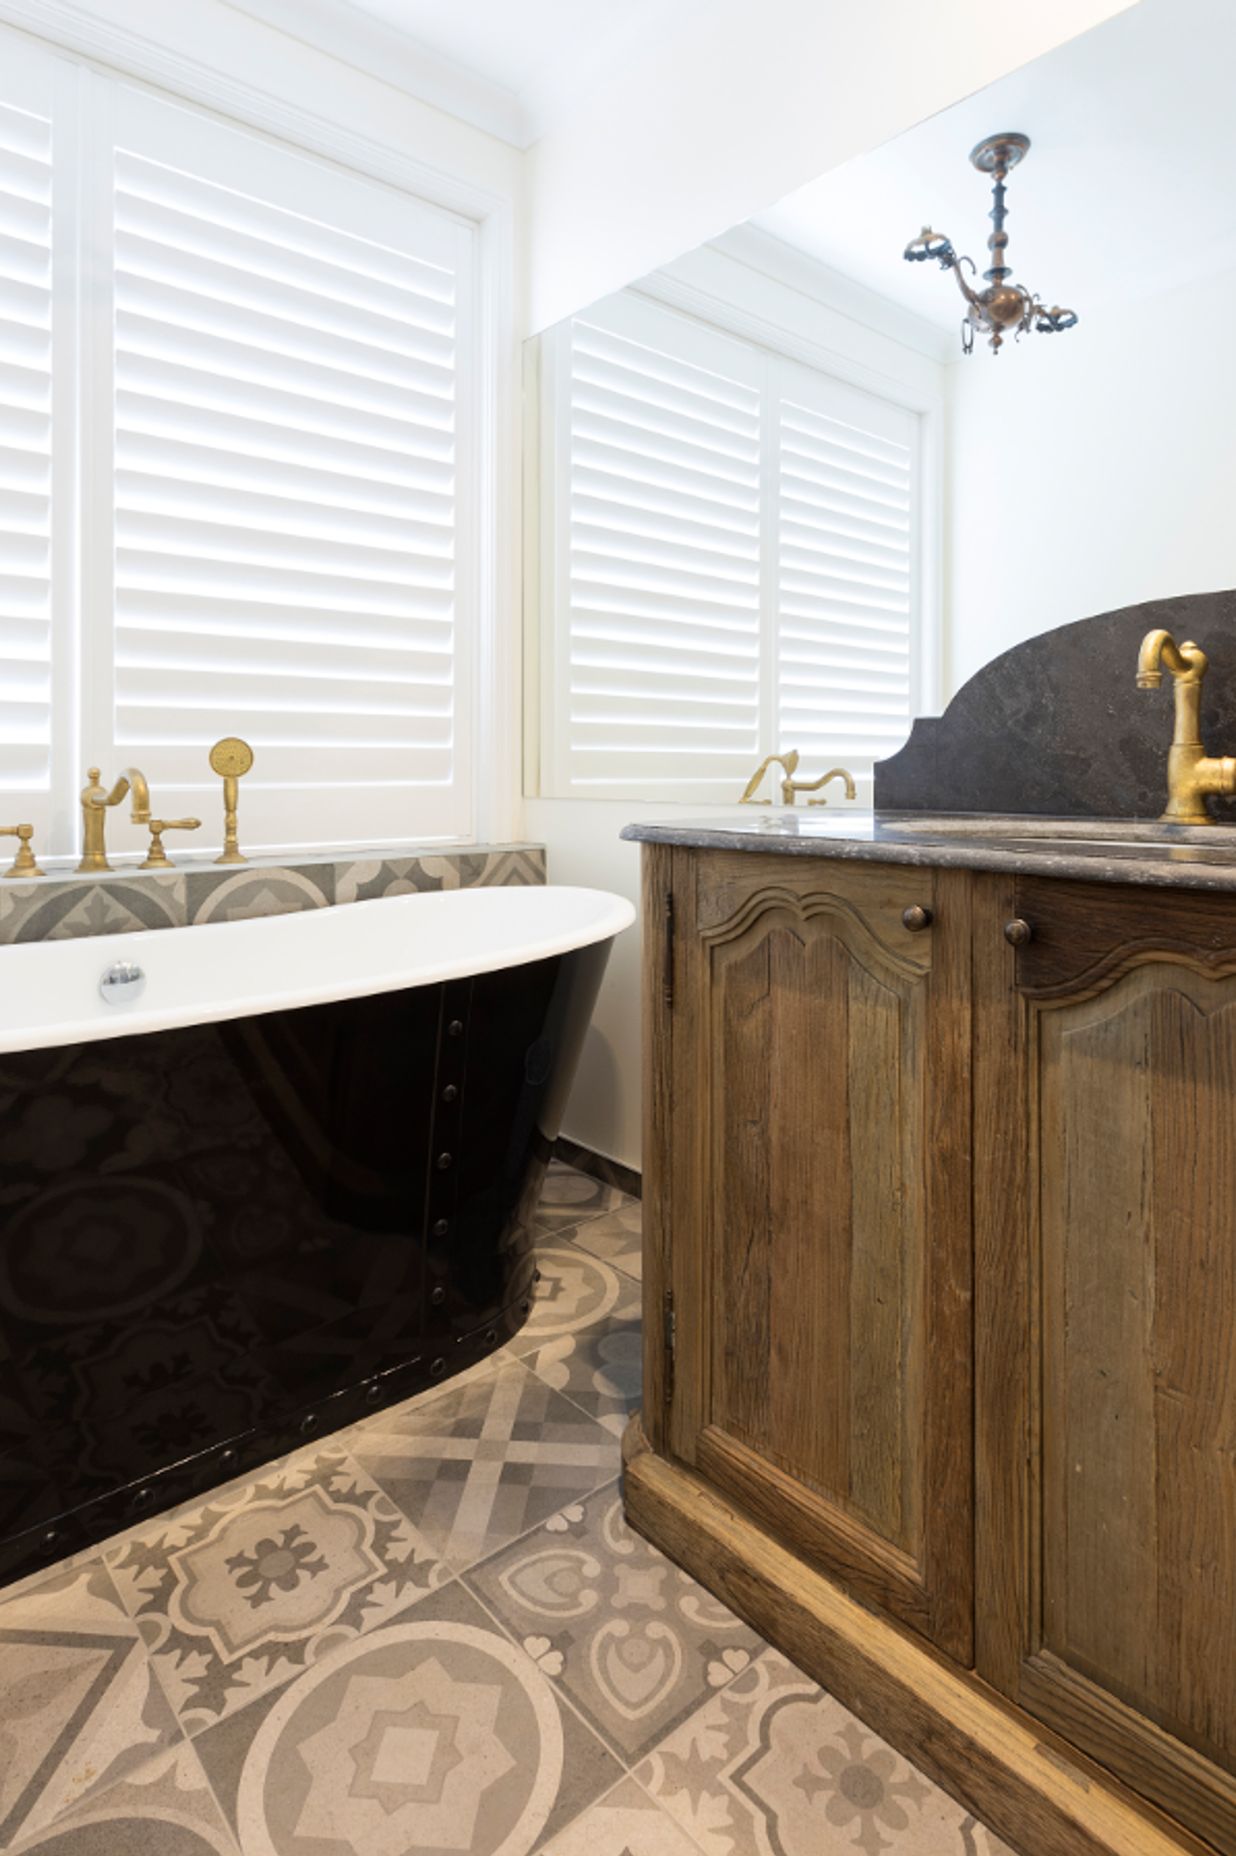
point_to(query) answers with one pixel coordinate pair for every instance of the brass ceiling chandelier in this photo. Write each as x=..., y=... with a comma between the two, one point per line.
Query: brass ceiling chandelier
x=1002, y=306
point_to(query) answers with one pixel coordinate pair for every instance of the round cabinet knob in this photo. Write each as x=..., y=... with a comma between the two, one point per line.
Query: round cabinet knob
x=1017, y=932
x=916, y=918
x=123, y=983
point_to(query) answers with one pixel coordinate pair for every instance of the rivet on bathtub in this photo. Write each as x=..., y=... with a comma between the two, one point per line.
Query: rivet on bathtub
x=373, y=1391
x=437, y=1296
x=308, y=1424
x=450, y=1093
x=141, y=1498
x=444, y=1161
x=437, y=1368
x=227, y=1459
x=441, y=1227
x=455, y=1028
x=491, y=1335
x=51, y=1537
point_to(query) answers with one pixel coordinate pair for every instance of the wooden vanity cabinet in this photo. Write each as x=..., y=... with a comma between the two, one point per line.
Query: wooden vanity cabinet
x=940, y=1378
x=815, y=1117
x=1105, y=1200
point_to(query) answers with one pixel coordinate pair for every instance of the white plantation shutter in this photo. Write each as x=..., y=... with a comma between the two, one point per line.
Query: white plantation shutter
x=658, y=670
x=288, y=519
x=844, y=494
x=26, y=373
x=239, y=477
x=732, y=545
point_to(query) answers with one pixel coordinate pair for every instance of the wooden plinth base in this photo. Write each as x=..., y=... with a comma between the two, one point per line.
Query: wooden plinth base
x=1022, y=1781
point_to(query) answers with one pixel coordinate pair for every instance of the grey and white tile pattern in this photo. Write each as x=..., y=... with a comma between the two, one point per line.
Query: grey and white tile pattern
x=632, y=1639
x=436, y=1632
x=129, y=900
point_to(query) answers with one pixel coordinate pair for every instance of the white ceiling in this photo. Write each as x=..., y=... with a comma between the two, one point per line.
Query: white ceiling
x=511, y=67
x=1129, y=187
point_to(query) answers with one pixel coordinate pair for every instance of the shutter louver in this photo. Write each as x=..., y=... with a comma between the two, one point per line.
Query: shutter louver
x=663, y=483
x=844, y=586
x=25, y=450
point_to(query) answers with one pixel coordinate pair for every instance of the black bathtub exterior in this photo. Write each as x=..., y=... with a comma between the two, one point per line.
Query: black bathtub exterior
x=220, y=1240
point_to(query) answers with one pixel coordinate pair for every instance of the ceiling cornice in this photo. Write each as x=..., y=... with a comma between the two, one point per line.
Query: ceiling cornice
x=355, y=37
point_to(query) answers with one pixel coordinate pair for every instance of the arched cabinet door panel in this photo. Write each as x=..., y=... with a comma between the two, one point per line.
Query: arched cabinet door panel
x=811, y=1130
x=1105, y=1159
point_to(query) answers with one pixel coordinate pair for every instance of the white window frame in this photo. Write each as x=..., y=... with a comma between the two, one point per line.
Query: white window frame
x=547, y=540
x=81, y=46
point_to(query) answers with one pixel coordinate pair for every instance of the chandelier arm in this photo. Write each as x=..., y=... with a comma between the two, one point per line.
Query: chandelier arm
x=970, y=295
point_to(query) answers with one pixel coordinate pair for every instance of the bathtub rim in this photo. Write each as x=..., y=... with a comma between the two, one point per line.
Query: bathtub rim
x=88, y=955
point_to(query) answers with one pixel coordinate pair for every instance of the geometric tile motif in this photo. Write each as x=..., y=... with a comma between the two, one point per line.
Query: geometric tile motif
x=774, y=1764
x=631, y=1638
x=568, y=1197
x=433, y=1734
x=485, y=1460
x=616, y=1238
x=240, y=1595
x=599, y=1369
x=624, y=1823
x=79, y=1706
x=163, y=1808
x=575, y=1292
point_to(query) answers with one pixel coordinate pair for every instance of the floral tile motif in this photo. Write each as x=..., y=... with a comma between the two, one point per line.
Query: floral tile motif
x=436, y=1733
x=773, y=1763
x=240, y=1595
x=600, y=1367
x=633, y=1640
x=57, y=911
x=164, y=1808
x=617, y=1238
x=575, y=1292
x=79, y=1705
x=486, y=1460
x=624, y=1823
x=237, y=895
x=568, y=1197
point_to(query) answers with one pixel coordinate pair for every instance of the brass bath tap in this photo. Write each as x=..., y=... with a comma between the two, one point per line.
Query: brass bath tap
x=95, y=802
x=1191, y=772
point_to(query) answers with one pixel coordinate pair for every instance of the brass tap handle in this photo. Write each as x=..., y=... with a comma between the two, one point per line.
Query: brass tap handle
x=156, y=857
x=23, y=864
x=787, y=762
x=231, y=758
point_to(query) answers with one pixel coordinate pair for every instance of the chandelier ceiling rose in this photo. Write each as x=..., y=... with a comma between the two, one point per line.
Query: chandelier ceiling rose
x=1002, y=307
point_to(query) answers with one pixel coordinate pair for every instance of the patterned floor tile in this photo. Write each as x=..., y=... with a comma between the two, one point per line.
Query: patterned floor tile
x=600, y=1369
x=773, y=1763
x=616, y=1238
x=487, y=1460
x=633, y=1640
x=434, y=1734
x=625, y=1823
x=164, y=1808
x=568, y=1197
x=79, y=1706
x=240, y=1595
x=575, y=1292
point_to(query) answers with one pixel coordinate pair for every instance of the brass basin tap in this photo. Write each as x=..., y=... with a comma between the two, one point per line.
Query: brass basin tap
x=790, y=787
x=95, y=802
x=1191, y=772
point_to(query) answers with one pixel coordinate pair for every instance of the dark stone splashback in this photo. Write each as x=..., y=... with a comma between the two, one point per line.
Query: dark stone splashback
x=1058, y=726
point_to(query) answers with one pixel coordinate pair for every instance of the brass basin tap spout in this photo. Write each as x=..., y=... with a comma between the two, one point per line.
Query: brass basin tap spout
x=95, y=802
x=1191, y=772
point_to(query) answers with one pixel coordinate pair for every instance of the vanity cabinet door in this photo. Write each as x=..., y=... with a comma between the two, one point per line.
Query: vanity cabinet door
x=1105, y=1198
x=809, y=1164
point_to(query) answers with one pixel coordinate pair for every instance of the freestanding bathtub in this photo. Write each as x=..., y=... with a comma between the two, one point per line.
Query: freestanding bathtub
x=284, y=1176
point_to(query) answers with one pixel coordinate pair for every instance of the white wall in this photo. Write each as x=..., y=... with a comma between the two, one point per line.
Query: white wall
x=581, y=835
x=1088, y=471
x=734, y=104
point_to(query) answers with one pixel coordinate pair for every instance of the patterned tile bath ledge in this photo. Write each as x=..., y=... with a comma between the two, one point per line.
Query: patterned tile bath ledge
x=63, y=905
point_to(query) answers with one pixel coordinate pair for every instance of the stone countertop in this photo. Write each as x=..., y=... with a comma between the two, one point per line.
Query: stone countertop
x=1091, y=850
